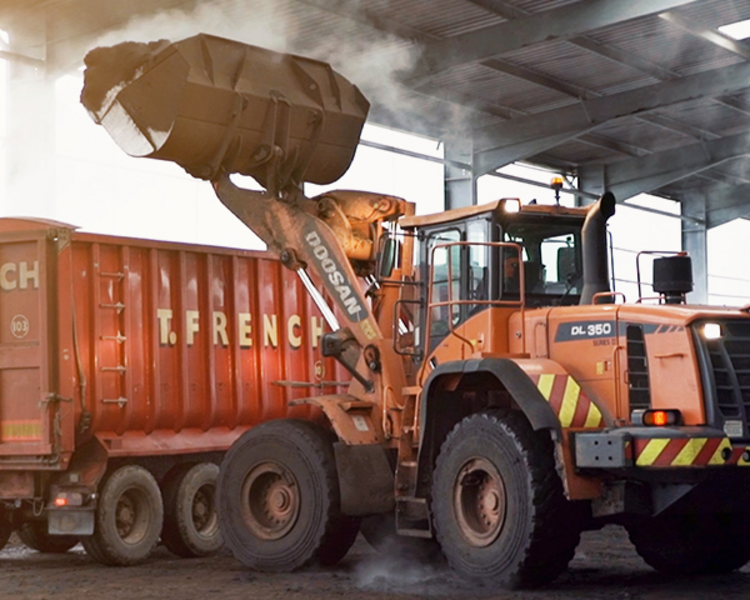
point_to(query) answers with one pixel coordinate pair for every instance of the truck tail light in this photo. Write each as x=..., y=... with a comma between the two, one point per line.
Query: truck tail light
x=657, y=417
x=68, y=499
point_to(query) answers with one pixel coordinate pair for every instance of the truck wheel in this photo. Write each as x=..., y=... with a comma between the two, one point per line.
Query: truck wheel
x=685, y=544
x=128, y=520
x=278, y=498
x=191, y=525
x=34, y=535
x=380, y=533
x=498, y=503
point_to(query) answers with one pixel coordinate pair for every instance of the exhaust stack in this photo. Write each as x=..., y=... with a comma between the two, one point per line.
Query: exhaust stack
x=594, y=240
x=212, y=105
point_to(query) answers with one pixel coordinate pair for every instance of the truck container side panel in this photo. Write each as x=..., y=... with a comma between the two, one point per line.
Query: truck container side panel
x=162, y=348
x=292, y=346
x=67, y=371
x=221, y=277
x=247, y=341
x=171, y=317
x=110, y=271
x=153, y=367
x=24, y=364
x=132, y=345
x=196, y=331
x=137, y=321
x=80, y=291
x=270, y=306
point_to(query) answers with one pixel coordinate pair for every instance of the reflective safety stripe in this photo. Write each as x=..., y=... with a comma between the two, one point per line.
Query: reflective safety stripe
x=569, y=403
x=545, y=385
x=690, y=452
x=572, y=406
x=651, y=452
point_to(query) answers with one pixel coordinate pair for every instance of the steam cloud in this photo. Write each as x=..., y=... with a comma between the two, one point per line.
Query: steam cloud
x=373, y=60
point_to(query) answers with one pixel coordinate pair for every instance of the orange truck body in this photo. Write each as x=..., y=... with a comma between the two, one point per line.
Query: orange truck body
x=113, y=347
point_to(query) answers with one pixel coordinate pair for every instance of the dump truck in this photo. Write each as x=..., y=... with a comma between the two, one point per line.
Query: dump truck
x=503, y=398
x=128, y=368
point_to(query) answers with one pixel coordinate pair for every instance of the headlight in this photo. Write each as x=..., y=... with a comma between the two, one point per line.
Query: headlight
x=511, y=205
x=712, y=331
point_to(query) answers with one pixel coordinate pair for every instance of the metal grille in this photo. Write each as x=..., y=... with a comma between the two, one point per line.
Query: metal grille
x=729, y=361
x=639, y=388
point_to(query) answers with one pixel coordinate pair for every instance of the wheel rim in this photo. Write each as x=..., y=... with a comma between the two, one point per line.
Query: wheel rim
x=132, y=516
x=270, y=500
x=203, y=511
x=479, y=501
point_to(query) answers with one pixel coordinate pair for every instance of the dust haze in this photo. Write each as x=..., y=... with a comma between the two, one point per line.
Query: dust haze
x=375, y=61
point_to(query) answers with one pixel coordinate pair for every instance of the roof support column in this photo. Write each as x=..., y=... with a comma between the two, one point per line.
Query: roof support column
x=30, y=141
x=694, y=242
x=460, y=183
x=591, y=178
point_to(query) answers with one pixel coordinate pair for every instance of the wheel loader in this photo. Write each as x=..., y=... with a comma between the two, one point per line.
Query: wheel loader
x=503, y=398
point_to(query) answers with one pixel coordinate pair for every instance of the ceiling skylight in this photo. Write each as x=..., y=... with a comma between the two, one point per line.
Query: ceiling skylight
x=739, y=30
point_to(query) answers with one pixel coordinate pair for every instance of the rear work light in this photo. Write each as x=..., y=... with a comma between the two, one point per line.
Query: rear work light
x=657, y=417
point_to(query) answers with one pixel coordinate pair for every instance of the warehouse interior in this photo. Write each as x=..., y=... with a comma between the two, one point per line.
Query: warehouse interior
x=644, y=96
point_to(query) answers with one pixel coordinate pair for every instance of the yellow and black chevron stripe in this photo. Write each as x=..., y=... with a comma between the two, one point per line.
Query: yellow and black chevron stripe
x=571, y=405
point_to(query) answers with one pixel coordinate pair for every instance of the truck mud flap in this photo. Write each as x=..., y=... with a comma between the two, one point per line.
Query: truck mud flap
x=71, y=522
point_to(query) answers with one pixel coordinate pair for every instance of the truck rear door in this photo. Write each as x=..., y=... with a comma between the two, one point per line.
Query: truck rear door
x=26, y=319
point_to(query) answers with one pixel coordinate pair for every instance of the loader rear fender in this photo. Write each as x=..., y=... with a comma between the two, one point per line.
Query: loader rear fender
x=457, y=389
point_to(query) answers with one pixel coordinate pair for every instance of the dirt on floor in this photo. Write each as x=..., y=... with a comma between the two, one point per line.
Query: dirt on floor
x=605, y=567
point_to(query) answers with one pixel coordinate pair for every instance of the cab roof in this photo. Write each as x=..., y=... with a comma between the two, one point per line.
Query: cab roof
x=496, y=206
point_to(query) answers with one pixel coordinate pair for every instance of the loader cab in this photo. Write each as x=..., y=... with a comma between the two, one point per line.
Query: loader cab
x=472, y=257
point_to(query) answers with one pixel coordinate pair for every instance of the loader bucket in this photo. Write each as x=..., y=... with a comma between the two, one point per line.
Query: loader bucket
x=210, y=104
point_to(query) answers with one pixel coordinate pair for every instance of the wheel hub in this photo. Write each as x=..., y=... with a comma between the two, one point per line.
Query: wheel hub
x=203, y=512
x=479, y=501
x=270, y=500
x=132, y=516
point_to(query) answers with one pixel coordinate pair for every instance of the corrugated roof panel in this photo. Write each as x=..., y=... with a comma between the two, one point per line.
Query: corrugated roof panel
x=711, y=116
x=715, y=13
x=643, y=134
x=497, y=87
x=738, y=169
x=579, y=152
x=663, y=44
x=573, y=65
x=536, y=6
x=440, y=18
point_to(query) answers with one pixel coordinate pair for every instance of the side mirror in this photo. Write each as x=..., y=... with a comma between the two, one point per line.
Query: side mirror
x=388, y=255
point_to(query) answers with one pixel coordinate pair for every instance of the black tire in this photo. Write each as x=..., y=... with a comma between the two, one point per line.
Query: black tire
x=278, y=498
x=191, y=523
x=34, y=535
x=129, y=518
x=692, y=544
x=380, y=533
x=498, y=505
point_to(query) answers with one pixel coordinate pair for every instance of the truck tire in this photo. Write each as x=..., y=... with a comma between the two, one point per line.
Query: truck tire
x=498, y=505
x=380, y=533
x=128, y=520
x=34, y=535
x=278, y=498
x=191, y=524
x=692, y=544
